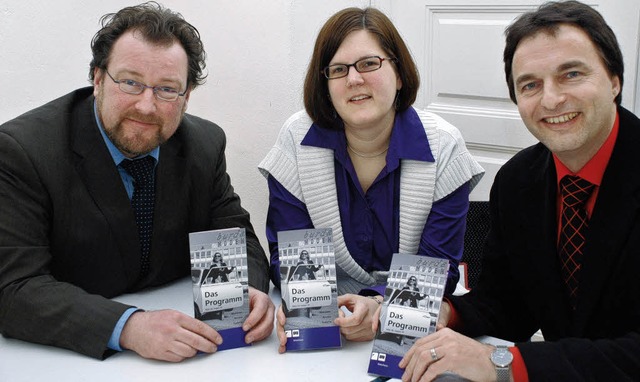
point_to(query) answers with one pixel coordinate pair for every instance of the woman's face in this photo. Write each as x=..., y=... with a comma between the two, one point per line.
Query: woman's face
x=364, y=100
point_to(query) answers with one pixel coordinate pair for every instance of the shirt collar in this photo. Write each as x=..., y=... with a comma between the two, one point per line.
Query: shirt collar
x=594, y=170
x=116, y=154
x=408, y=139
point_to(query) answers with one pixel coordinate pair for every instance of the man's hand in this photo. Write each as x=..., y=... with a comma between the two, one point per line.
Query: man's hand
x=444, y=316
x=456, y=353
x=282, y=337
x=259, y=323
x=360, y=325
x=168, y=335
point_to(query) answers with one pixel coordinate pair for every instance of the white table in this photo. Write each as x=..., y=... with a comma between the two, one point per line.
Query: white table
x=23, y=361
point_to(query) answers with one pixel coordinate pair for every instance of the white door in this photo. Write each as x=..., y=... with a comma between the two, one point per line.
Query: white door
x=458, y=48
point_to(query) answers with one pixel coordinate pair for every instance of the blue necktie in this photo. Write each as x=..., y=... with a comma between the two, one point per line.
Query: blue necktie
x=142, y=201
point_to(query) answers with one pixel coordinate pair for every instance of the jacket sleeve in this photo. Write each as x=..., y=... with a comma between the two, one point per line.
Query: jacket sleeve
x=34, y=306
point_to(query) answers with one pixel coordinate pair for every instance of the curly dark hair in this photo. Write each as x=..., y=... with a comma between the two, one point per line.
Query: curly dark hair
x=547, y=18
x=158, y=25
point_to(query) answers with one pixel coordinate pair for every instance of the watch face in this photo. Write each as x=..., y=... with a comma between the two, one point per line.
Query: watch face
x=501, y=357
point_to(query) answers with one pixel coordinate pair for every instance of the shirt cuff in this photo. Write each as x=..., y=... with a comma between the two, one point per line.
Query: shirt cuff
x=375, y=290
x=518, y=368
x=114, y=341
x=454, y=318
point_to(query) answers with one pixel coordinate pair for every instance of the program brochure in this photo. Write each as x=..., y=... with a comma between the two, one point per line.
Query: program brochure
x=410, y=309
x=308, y=288
x=220, y=282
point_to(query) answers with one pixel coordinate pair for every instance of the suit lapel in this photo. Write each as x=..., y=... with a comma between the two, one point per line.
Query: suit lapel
x=539, y=241
x=615, y=211
x=171, y=205
x=103, y=182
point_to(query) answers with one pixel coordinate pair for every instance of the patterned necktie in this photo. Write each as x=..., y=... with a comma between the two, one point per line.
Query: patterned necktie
x=142, y=201
x=575, y=191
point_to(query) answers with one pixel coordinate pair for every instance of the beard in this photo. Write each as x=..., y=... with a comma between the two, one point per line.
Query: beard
x=131, y=142
x=137, y=144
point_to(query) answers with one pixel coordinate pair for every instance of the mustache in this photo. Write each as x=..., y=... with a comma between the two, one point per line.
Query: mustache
x=144, y=118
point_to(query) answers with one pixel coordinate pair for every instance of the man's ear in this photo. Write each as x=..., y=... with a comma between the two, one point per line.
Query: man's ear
x=98, y=80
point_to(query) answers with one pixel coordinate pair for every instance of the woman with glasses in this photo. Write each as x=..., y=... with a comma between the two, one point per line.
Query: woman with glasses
x=386, y=177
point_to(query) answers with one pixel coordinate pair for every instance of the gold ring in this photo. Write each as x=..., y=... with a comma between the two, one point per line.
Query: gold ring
x=434, y=355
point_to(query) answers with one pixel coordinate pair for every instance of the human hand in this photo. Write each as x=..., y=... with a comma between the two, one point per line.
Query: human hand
x=444, y=316
x=281, y=319
x=455, y=353
x=259, y=322
x=359, y=326
x=168, y=335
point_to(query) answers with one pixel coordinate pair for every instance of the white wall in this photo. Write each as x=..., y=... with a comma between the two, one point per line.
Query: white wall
x=45, y=53
x=257, y=56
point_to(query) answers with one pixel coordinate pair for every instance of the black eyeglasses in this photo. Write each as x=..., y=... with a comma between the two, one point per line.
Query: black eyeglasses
x=363, y=65
x=163, y=93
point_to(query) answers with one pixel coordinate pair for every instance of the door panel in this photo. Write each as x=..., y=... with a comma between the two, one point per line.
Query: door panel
x=458, y=48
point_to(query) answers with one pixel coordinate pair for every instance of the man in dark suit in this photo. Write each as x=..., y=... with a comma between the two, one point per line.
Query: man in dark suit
x=551, y=262
x=71, y=236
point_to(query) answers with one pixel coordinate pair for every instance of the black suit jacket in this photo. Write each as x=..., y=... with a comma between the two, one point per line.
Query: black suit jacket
x=521, y=288
x=68, y=237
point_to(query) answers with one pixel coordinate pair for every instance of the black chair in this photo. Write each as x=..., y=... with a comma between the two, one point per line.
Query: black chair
x=478, y=223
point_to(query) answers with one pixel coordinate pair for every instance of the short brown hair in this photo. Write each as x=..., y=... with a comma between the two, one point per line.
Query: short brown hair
x=335, y=30
x=547, y=18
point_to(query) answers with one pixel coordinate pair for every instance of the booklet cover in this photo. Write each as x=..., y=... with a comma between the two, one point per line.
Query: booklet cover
x=308, y=288
x=221, y=282
x=410, y=309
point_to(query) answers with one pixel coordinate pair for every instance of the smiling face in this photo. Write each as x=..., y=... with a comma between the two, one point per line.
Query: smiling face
x=364, y=100
x=565, y=94
x=137, y=124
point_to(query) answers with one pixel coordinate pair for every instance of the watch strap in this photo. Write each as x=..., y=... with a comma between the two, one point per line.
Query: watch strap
x=503, y=373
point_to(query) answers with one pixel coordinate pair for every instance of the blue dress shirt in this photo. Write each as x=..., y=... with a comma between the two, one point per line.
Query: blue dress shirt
x=127, y=180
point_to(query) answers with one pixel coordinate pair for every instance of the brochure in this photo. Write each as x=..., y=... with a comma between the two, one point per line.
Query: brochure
x=220, y=282
x=308, y=288
x=410, y=309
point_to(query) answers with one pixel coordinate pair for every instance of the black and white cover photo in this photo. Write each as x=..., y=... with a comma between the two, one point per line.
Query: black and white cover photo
x=220, y=282
x=308, y=288
x=410, y=309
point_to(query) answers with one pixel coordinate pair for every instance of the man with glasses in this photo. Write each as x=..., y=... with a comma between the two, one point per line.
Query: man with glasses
x=99, y=190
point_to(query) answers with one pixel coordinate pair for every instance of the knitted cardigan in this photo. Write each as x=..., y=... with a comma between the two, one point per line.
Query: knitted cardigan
x=307, y=172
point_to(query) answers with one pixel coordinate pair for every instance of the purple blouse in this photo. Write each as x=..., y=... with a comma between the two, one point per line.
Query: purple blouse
x=370, y=221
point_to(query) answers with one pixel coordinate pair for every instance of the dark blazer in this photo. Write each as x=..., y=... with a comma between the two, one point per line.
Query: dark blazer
x=68, y=237
x=521, y=289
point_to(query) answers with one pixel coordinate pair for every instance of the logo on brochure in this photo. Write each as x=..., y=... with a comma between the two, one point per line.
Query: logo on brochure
x=382, y=357
x=292, y=333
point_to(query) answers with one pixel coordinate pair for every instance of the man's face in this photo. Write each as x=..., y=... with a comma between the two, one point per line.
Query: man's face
x=137, y=124
x=565, y=94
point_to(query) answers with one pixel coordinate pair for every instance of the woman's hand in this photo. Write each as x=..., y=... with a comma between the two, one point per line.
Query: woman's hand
x=359, y=326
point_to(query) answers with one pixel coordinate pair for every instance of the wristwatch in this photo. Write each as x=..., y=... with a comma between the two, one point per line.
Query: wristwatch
x=502, y=358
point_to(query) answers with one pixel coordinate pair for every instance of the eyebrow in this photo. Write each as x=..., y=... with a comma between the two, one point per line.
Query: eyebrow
x=563, y=67
x=133, y=73
x=361, y=57
x=572, y=65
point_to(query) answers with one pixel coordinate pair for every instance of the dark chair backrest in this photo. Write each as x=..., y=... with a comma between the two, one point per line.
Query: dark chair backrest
x=478, y=224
